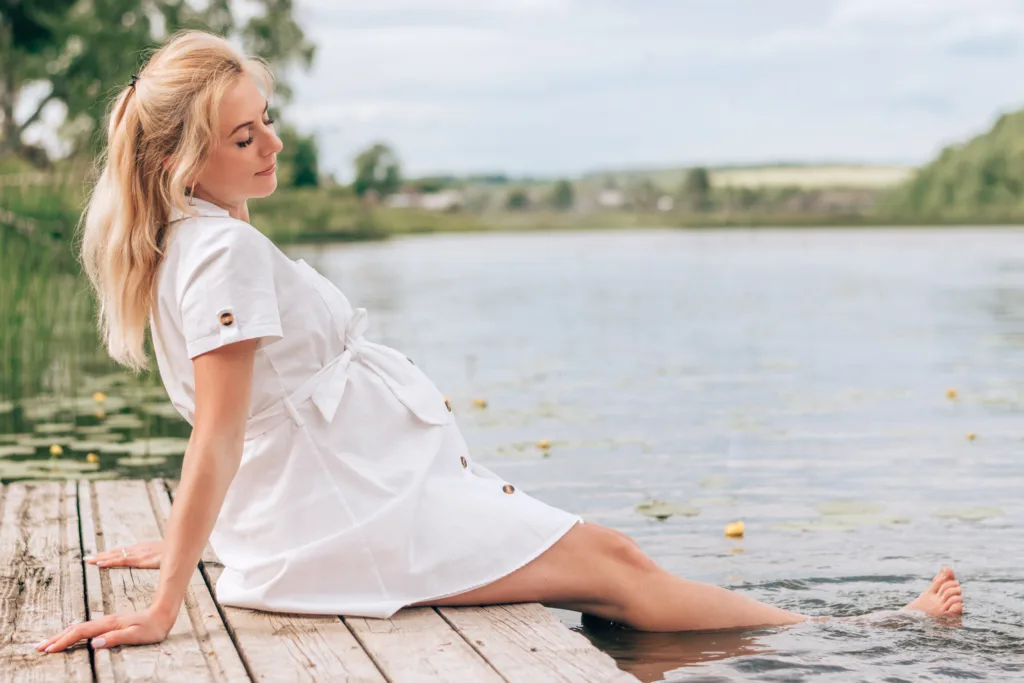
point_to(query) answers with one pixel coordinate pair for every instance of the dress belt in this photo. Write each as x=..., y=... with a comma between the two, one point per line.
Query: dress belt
x=325, y=387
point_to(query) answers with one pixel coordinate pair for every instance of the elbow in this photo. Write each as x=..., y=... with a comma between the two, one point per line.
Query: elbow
x=218, y=449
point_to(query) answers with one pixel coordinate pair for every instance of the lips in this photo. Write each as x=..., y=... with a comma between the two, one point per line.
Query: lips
x=268, y=170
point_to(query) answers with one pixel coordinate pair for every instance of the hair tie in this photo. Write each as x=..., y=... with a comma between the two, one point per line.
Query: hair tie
x=134, y=78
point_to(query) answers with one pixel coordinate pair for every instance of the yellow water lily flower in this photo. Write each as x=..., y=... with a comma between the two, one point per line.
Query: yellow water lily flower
x=734, y=530
x=951, y=393
x=56, y=450
x=99, y=397
x=543, y=444
x=480, y=402
x=92, y=457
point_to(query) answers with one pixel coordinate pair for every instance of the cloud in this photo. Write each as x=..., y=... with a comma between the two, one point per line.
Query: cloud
x=564, y=86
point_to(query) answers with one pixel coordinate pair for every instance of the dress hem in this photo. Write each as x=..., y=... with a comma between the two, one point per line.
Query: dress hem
x=540, y=551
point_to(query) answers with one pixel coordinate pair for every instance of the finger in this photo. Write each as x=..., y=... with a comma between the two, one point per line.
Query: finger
x=75, y=633
x=126, y=636
x=104, y=556
x=46, y=642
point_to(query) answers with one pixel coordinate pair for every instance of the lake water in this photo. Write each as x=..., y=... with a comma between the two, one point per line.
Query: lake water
x=795, y=380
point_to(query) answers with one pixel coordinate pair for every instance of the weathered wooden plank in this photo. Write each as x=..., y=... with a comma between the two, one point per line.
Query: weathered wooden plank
x=417, y=645
x=291, y=647
x=40, y=581
x=123, y=515
x=526, y=643
x=224, y=660
x=102, y=665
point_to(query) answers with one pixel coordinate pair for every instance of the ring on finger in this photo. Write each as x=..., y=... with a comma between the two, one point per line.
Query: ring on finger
x=124, y=552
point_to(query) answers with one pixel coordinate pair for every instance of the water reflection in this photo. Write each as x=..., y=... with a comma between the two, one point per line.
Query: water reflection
x=653, y=656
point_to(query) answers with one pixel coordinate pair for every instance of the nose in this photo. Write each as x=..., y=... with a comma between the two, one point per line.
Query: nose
x=275, y=144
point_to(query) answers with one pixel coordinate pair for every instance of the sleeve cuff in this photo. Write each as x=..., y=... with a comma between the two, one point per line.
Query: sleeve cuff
x=270, y=331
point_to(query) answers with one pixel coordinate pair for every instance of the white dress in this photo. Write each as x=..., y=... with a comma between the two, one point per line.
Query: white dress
x=356, y=494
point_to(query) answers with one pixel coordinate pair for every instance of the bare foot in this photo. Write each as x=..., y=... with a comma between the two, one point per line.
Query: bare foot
x=943, y=597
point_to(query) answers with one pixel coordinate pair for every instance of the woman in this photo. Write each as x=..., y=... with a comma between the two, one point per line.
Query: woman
x=325, y=470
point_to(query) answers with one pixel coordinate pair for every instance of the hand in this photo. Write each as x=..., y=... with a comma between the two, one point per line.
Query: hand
x=132, y=628
x=145, y=555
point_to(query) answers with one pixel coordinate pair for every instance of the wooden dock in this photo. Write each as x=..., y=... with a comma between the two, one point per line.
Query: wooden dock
x=47, y=527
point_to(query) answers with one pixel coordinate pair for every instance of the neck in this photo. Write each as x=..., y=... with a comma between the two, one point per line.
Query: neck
x=235, y=210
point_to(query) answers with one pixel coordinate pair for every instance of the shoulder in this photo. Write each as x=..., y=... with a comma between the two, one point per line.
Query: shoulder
x=205, y=239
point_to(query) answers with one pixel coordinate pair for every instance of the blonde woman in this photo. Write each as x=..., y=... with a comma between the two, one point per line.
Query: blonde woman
x=326, y=470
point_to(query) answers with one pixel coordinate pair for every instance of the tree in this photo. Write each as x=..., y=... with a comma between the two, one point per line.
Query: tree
x=377, y=169
x=297, y=162
x=84, y=56
x=562, y=195
x=696, y=189
x=305, y=163
x=517, y=200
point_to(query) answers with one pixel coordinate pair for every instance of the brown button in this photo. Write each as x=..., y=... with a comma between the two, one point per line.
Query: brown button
x=226, y=319
x=448, y=405
x=465, y=463
x=508, y=488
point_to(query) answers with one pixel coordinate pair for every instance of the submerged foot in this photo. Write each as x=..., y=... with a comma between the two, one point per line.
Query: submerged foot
x=943, y=597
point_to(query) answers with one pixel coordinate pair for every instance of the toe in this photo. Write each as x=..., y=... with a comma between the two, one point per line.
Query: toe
x=954, y=605
x=951, y=589
x=939, y=579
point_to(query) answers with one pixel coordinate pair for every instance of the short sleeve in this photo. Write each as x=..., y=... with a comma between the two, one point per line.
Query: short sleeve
x=227, y=289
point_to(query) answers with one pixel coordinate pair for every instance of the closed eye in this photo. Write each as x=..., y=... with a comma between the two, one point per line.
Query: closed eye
x=245, y=143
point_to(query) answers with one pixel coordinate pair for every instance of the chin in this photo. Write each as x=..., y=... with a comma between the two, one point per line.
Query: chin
x=265, y=187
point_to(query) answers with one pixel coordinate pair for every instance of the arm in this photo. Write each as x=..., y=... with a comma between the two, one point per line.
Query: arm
x=214, y=451
x=223, y=390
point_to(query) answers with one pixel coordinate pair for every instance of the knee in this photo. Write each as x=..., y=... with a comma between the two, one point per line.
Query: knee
x=625, y=554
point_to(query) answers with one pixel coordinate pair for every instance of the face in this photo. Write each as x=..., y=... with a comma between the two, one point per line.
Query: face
x=243, y=163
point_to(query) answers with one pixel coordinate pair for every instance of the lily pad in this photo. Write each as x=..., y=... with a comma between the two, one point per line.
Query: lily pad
x=16, y=450
x=662, y=510
x=142, y=461
x=848, y=507
x=94, y=429
x=98, y=445
x=54, y=427
x=6, y=407
x=162, y=409
x=841, y=523
x=87, y=405
x=107, y=438
x=975, y=514
x=125, y=421
x=159, y=445
x=45, y=441
x=714, y=481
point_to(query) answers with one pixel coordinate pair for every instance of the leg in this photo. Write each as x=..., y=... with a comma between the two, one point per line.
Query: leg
x=600, y=571
x=603, y=572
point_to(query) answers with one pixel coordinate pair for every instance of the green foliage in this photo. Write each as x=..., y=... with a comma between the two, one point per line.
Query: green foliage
x=304, y=162
x=517, y=200
x=431, y=184
x=87, y=56
x=377, y=169
x=982, y=179
x=563, y=195
x=696, y=189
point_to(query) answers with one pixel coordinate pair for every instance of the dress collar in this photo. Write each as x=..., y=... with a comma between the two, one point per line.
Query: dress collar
x=201, y=207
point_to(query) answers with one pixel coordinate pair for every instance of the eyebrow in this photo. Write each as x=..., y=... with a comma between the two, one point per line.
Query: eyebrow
x=248, y=123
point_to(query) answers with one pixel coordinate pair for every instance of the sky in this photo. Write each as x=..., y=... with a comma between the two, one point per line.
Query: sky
x=562, y=87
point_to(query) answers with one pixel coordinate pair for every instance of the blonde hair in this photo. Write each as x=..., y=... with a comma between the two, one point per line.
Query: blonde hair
x=160, y=133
